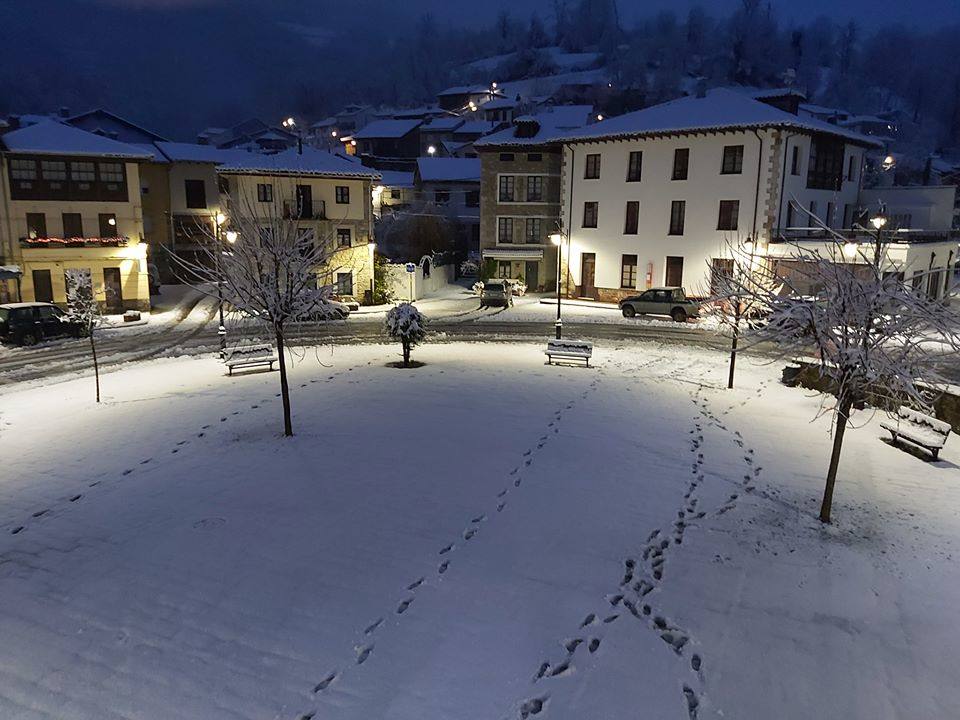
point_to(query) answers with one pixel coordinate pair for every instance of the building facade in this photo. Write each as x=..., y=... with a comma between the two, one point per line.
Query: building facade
x=71, y=200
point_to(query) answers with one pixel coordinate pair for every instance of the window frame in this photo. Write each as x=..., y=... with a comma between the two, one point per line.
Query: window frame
x=534, y=238
x=503, y=183
x=627, y=271
x=74, y=217
x=591, y=209
x=732, y=162
x=732, y=215
x=341, y=194
x=537, y=181
x=591, y=166
x=504, y=223
x=681, y=170
x=677, y=221
x=631, y=221
x=191, y=196
x=265, y=192
x=635, y=166
x=344, y=233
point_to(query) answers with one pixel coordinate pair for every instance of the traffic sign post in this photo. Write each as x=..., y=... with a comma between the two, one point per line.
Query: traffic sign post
x=411, y=269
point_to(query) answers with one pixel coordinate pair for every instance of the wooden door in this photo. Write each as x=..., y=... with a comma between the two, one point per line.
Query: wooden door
x=531, y=276
x=113, y=290
x=674, y=272
x=588, y=271
x=42, y=286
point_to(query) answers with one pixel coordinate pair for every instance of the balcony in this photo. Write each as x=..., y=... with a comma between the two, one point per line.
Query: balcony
x=293, y=210
x=905, y=236
x=74, y=242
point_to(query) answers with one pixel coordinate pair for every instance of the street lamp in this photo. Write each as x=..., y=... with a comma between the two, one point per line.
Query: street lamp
x=218, y=220
x=291, y=125
x=431, y=151
x=372, y=247
x=557, y=239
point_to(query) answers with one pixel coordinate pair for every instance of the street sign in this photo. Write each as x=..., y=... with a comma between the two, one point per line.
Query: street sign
x=411, y=268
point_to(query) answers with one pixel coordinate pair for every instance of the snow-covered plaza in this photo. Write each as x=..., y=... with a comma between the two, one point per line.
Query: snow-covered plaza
x=482, y=538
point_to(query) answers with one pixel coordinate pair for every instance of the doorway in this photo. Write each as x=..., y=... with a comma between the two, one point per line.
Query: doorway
x=674, y=271
x=304, y=202
x=588, y=273
x=531, y=276
x=113, y=290
x=42, y=286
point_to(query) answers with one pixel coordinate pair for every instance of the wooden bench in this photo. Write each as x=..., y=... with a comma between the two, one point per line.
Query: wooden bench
x=923, y=430
x=249, y=355
x=569, y=350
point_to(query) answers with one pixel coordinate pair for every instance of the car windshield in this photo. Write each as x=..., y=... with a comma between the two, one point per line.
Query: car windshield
x=494, y=286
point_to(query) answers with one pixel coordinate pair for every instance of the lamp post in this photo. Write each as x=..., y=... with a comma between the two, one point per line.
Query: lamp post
x=291, y=125
x=557, y=240
x=218, y=220
x=372, y=246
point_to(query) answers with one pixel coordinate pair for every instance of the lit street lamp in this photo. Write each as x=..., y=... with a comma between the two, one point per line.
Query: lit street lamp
x=557, y=239
x=372, y=246
x=431, y=151
x=218, y=220
x=291, y=125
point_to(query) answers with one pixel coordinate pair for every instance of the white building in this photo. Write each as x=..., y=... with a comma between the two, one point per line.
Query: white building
x=653, y=197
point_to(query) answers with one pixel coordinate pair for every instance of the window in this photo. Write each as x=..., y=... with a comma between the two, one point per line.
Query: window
x=632, y=223
x=628, y=271
x=223, y=184
x=852, y=168
x=503, y=269
x=589, y=215
x=23, y=169
x=504, y=230
x=634, y=166
x=795, y=161
x=473, y=198
x=534, y=157
x=825, y=168
x=678, y=211
x=506, y=157
x=535, y=188
x=732, y=160
x=264, y=192
x=36, y=225
x=342, y=194
x=72, y=225
x=343, y=237
x=108, y=225
x=507, y=187
x=344, y=283
x=196, y=193
x=592, y=168
x=729, y=214
x=534, y=230
x=441, y=197
x=53, y=170
x=111, y=172
x=681, y=163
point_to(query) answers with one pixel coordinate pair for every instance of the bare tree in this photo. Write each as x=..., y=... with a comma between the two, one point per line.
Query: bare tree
x=877, y=339
x=266, y=267
x=84, y=310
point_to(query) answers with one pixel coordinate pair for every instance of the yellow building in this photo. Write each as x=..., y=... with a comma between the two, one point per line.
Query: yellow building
x=71, y=199
x=329, y=196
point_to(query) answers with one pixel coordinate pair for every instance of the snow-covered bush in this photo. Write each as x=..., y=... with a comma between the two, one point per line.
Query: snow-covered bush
x=478, y=287
x=408, y=325
x=469, y=268
x=519, y=288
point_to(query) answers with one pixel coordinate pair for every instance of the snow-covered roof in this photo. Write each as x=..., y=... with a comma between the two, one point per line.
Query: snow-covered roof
x=812, y=109
x=449, y=169
x=50, y=137
x=194, y=152
x=387, y=129
x=396, y=178
x=289, y=162
x=501, y=103
x=82, y=120
x=325, y=123
x=475, y=127
x=719, y=109
x=549, y=123
x=766, y=93
x=419, y=112
x=443, y=124
x=467, y=90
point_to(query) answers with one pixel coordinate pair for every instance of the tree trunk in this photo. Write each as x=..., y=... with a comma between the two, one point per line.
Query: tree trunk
x=96, y=366
x=284, y=388
x=406, y=353
x=843, y=416
x=733, y=353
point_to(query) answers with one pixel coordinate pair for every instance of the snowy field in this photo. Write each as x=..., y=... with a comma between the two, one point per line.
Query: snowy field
x=481, y=538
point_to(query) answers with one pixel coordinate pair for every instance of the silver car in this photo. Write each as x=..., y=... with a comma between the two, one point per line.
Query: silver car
x=496, y=292
x=672, y=301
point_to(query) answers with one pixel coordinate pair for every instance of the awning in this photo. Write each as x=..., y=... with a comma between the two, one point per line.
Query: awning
x=513, y=253
x=10, y=272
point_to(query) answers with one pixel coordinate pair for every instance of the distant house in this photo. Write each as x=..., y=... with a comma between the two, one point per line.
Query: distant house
x=437, y=131
x=464, y=98
x=386, y=140
x=520, y=190
x=252, y=134
x=453, y=185
x=396, y=190
x=103, y=122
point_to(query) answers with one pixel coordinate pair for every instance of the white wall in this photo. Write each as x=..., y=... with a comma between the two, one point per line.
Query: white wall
x=929, y=207
x=399, y=280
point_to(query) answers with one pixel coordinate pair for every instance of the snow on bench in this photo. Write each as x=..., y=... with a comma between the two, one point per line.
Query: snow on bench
x=568, y=350
x=249, y=355
x=920, y=429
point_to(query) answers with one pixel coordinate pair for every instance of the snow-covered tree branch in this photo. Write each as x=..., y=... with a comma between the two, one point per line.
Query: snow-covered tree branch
x=84, y=310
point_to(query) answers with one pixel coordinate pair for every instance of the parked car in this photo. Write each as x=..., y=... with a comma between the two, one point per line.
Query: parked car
x=30, y=322
x=672, y=301
x=496, y=292
x=329, y=310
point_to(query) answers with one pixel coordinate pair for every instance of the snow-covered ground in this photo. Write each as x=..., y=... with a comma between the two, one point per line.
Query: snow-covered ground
x=481, y=538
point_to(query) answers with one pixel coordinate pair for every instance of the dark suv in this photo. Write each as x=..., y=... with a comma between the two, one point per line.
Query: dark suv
x=28, y=323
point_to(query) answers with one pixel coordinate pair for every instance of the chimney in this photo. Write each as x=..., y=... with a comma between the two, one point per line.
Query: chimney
x=64, y=112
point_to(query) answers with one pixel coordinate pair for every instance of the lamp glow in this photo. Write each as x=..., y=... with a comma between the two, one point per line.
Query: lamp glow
x=878, y=221
x=112, y=221
x=221, y=218
x=556, y=238
x=850, y=249
x=231, y=236
x=431, y=150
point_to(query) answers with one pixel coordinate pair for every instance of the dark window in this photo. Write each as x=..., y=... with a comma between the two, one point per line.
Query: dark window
x=732, y=160
x=852, y=168
x=344, y=283
x=507, y=186
x=729, y=215
x=42, y=286
x=304, y=194
x=504, y=230
x=634, y=166
x=681, y=163
x=36, y=225
x=196, y=193
x=473, y=198
x=72, y=225
x=632, y=223
x=592, y=168
x=108, y=225
x=678, y=211
x=825, y=168
x=534, y=188
x=534, y=157
x=342, y=194
x=223, y=184
x=441, y=197
x=503, y=269
x=264, y=192
x=111, y=172
x=534, y=230
x=506, y=157
x=83, y=172
x=628, y=271
x=674, y=277
x=53, y=170
x=590, y=214
x=343, y=237
x=21, y=169
x=795, y=161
